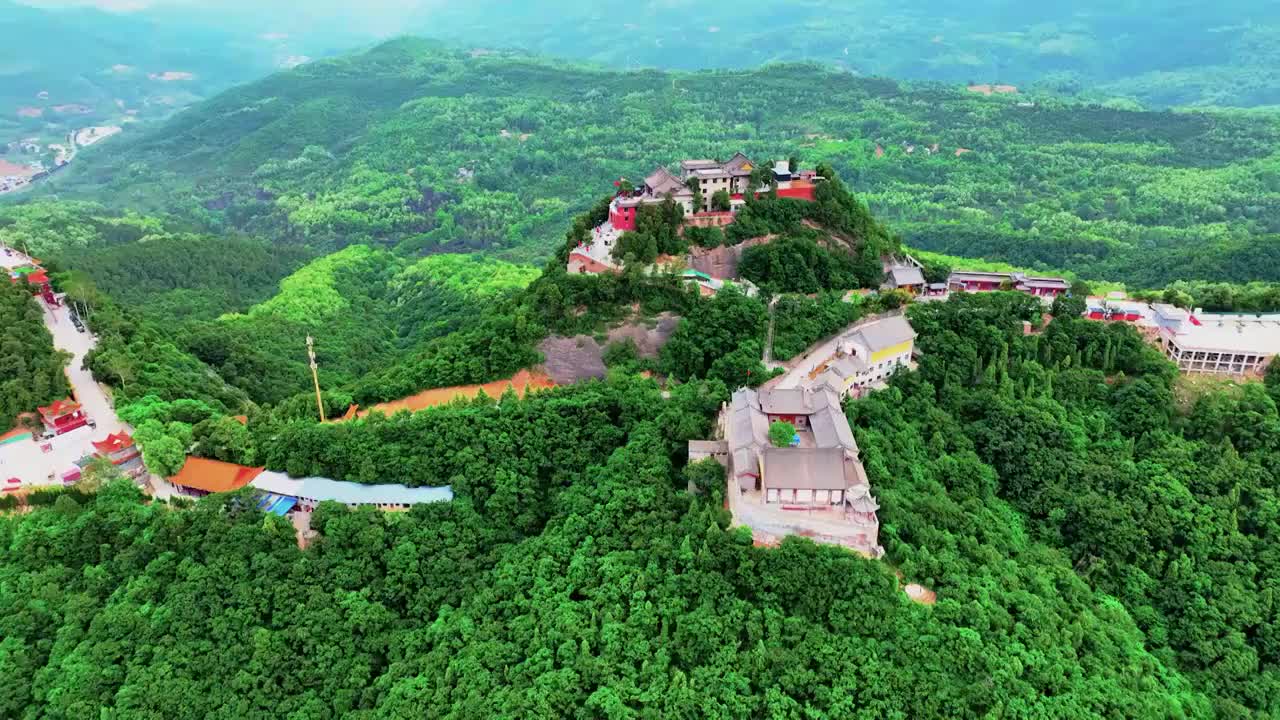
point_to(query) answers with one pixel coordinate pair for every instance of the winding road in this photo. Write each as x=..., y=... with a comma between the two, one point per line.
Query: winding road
x=27, y=460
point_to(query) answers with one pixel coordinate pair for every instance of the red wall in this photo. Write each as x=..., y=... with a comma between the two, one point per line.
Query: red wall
x=801, y=193
x=623, y=218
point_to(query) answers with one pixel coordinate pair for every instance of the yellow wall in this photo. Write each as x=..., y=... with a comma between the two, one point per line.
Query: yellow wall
x=894, y=351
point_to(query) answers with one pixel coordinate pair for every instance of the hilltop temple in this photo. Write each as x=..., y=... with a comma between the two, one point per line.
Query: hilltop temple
x=710, y=177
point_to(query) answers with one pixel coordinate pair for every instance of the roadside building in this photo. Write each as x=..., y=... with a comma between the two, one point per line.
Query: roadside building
x=1222, y=344
x=123, y=452
x=283, y=493
x=63, y=416
x=905, y=277
x=868, y=354
x=202, y=476
x=1117, y=310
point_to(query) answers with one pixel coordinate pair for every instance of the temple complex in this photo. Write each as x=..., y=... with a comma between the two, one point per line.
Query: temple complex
x=815, y=487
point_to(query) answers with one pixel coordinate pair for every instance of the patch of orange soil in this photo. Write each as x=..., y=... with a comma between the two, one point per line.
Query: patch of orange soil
x=7, y=169
x=920, y=594
x=993, y=89
x=522, y=382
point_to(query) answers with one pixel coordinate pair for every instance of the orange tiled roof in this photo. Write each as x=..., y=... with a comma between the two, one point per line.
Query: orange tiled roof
x=114, y=443
x=214, y=475
x=60, y=408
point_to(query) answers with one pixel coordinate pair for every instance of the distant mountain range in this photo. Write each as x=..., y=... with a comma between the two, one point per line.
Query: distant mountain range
x=1157, y=52
x=65, y=68
x=1160, y=52
x=414, y=146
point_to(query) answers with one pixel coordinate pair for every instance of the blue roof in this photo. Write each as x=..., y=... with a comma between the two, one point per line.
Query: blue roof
x=282, y=505
x=349, y=493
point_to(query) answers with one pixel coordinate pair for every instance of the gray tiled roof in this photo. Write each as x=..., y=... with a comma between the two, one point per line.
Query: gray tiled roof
x=788, y=401
x=807, y=469
x=904, y=275
x=885, y=333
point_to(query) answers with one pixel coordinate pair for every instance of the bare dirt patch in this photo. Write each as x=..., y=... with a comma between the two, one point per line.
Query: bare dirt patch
x=920, y=594
x=90, y=135
x=722, y=263
x=572, y=359
x=993, y=89
x=522, y=382
x=8, y=169
x=578, y=358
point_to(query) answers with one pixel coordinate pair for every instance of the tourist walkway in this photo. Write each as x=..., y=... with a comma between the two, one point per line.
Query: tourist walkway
x=43, y=462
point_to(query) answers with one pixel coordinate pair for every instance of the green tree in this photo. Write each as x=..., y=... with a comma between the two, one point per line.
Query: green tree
x=781, y=433
x=98, y=473
x=721, y=201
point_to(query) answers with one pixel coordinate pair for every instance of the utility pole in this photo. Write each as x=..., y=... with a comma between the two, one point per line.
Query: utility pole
x=315, y=376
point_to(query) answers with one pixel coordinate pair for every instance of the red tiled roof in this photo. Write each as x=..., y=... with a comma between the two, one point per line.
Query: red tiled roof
x=589, y=264
x=60, y=408
x=114, y=443
x=214, y=475
x=37, y=278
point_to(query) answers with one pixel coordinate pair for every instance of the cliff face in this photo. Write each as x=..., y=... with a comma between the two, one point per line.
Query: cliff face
x=722, y=263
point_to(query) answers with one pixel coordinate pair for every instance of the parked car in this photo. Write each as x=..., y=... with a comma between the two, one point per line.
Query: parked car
x=93, y=423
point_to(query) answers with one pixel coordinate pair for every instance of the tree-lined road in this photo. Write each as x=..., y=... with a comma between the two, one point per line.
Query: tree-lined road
x=26, y=460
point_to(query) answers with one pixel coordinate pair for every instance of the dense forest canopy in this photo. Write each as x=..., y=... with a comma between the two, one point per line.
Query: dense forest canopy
x=1101, y=535
x=1162, y=52
x=30, y=368
x=1125, y=572
x=432, y=150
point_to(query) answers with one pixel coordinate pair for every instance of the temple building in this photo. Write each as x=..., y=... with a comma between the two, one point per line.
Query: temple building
x=123, y=452
x=868, y=354
x=63, y=416
x=975, y=281
x=710, y=177
x=1221, y=344
x=815, y=487
x=37, y=280
x=202, y=476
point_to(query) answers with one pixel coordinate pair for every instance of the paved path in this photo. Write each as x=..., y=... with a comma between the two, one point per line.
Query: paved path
x=768, y=334
x=28, y=461
x=799, y=367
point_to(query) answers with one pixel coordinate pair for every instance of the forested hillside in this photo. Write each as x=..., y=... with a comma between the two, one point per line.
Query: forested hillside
x=426, y=150
x=30, y=368
x=1125, y=572
x=1162, y=52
